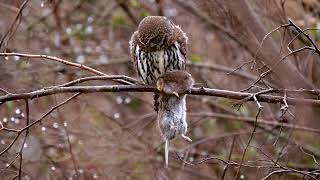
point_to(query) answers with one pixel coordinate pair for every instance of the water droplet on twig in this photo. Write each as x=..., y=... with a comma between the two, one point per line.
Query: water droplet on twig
x=16, y=58
x=53, y=168
x=116, y=115
x=80, y=59
x=55, y=125
x=95, y=176
x=18, y=111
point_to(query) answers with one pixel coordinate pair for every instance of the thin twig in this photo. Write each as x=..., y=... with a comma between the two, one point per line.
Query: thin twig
x=27, y=127
x=4, y=91
x=252, y=134
x=69, y=63
x=90, y=78
x=300, y=31
x=311, y=155
x=24, y=139
x=18, y=16
x=229, y=157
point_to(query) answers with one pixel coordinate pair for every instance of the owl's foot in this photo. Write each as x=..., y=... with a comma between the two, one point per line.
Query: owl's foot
x=186, y=137
x=166, y=153
x=168, y=90
x=175, y=93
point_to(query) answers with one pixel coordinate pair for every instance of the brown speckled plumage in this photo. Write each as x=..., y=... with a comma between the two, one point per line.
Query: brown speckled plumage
x=156, y=47
x=155, y=33
x=156, y=39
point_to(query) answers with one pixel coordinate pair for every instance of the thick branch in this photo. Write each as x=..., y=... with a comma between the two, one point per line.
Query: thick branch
x=140, y=88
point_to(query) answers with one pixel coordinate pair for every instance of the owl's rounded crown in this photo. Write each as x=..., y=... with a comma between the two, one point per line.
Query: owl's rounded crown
x=156, y=33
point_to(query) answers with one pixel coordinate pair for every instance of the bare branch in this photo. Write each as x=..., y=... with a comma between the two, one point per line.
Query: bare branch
x=141, y=88
x=26, y=128
x=300, y=31
x=252, y=134
x=13, y=24
x=24, y=139
x=81, y=66
x=229, y=157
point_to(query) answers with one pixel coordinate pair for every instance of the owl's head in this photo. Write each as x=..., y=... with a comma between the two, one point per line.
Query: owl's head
x=156, y=32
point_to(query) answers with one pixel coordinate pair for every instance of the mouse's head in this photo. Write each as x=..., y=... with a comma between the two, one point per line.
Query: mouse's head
x=175, y=82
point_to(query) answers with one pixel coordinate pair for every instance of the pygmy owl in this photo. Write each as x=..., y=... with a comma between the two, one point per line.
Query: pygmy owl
x=172, y=106
x=156, y=47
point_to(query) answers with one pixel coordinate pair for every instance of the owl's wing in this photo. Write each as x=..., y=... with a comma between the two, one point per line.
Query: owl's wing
x=182, y=40
x=133, y=45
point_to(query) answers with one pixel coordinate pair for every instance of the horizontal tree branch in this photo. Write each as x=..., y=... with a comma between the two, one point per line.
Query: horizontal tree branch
x=124, y=80
x=52, y=58
x=141, y=88
x=215, y=67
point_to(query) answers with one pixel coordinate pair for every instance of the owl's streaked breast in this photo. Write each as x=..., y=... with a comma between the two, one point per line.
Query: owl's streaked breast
x=151, y=65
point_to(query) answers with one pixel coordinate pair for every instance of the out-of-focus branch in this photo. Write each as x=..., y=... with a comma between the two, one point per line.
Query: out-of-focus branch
x=197, y=13
x=210, y=66
x=127, y=10
x=254, y=96
x=123, y=78
x=24, y=139
x=227, y=70
x=252, y=120
x=28, y=126
x=14, y=25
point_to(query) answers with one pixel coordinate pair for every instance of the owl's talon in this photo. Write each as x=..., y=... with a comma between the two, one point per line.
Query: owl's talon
x=186, y=137
x=176, y=94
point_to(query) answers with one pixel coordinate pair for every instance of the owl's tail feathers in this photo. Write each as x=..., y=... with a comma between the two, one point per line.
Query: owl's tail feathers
x=156, y=101
x=166, y=152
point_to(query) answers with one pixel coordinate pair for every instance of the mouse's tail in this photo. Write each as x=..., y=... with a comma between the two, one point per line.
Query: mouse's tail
x=166, y=152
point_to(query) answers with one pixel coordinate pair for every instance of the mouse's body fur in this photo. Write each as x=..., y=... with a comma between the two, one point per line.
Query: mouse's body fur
x=172, y=106
x=172, y=118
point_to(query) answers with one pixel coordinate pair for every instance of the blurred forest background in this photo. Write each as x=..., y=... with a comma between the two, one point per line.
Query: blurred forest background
x=115, y=135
